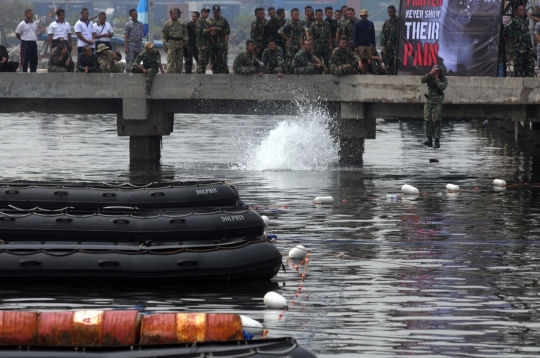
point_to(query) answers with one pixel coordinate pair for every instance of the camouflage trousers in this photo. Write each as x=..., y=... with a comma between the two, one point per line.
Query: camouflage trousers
x=130, y=57
x=190, y=53
x=272, y=70
x=289, y=56
x=432, y=117
x=218, y=58
x=342, y=70
x=523, y=64
x=118, y=67
x=175, y=56
x=307, y=70
x=324, y=56
x=152, y=72
x=247, y=70
x=389, y=58
x=204, y=57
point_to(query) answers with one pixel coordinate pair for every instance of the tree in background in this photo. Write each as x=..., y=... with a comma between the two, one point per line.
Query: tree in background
x=11, y=13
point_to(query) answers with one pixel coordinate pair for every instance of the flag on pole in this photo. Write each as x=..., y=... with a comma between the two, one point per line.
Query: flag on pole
x=142, y=10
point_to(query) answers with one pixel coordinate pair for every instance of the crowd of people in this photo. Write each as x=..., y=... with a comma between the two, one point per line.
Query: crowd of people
x=334, y=42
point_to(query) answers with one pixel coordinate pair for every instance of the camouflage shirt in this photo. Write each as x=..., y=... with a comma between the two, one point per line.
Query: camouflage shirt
x=518, y=32
x=303, y=58
x=105, y=57
x=307, y=23
x=346, y=29
x=389, y=33
x=54, y=60
x=219, y=37
x=257, y=33
x=435, y=87
x=343, y=57
x=319, y=34
x=135, y=32
x=273, y=59
x=293, y=30
x=244, y=59
x=203, y=40
x=174, y=30
x=149, y=60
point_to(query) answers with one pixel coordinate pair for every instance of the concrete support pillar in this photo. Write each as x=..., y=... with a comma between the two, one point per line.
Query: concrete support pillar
x=533, y=134
x=500, y=124
x=520, y=131
x=351, y=151
x=146, y=149
x=509, y=126
x=351, y=130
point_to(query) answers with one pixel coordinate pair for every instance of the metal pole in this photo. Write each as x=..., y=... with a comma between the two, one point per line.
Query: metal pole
x=150, y=21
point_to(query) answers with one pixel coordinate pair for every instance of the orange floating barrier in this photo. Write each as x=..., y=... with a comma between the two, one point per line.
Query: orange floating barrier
x=88, y=328
x=173, y=328
x=18, y=328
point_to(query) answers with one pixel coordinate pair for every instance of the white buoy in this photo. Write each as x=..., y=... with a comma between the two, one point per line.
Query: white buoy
x=409, y=189
x=275, y=301
x=499, y=182
x=266, y=220
x=251, y=326
x=323, y=200
x=298, y=252
x=452, y=187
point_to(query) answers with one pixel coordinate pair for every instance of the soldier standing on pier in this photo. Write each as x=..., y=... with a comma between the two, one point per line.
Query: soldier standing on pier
x=133, y=34
x=257, y=31
x=293, y=34
x=175, y=39
x=219, y=33
x=321, y=35
x=203, y=40
x=190, y=52
x=437, y=83
x=517, y=33
x=389, y=40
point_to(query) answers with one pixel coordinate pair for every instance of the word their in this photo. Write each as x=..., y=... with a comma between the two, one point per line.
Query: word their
x=422, y=30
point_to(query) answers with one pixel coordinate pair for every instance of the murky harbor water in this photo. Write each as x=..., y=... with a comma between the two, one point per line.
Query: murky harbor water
x=444, y=275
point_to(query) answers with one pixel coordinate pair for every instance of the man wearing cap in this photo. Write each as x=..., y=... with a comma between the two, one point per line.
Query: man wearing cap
x=346, y=28
x=364, y=37
x=175, y=38
x=343, y=60
x=59, y=29
x=293, y=34
x=257, y=31
x=60, y=60
x=219, y=34
x=109, y=62
x=5, y=64
x=87, y=61
x=246, y=62
x=133, y=34
x=190, y=52
x=151, y=62
x=437, y=83
x=203, y=40
x=389, y=40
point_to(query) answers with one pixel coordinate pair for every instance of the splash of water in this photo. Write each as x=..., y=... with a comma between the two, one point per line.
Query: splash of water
x=296, y=143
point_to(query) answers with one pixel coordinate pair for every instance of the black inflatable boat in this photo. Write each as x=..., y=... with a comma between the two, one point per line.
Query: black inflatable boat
x=236, y=259
x=87, y=195
x=131, y=225
x=262, y=348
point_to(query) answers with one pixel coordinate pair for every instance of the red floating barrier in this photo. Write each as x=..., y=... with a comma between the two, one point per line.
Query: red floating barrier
x=18, y=328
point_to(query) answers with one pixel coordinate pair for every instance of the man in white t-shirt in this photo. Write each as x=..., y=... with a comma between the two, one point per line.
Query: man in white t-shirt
x=59, y=29
x=86, y=33
x=104, y=31
x=27, y=33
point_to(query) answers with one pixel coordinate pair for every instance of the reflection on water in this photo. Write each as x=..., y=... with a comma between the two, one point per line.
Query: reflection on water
x=441, y=275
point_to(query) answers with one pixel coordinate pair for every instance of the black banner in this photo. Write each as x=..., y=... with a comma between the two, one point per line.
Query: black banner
x=460, y=35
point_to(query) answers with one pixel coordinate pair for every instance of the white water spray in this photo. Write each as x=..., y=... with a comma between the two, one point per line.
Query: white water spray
x=297, y=143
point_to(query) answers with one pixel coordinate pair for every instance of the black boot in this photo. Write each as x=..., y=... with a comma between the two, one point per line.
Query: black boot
x=147, y=89
x=428, y=142
x=437, y=144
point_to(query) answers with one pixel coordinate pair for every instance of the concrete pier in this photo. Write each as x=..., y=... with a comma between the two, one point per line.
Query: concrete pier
x=354, y=102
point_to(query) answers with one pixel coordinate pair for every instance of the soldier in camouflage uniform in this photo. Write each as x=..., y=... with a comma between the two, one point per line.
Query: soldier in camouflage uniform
x=344, y=61
x=389, y=40
x=321, y=35
x=271, y=28
x=293, y=34
x=109, y=62
x=246, y=62
x=203, y=40
x=308, y=21
x=257, y=31
x=272, y=59
x=517, y=33
x=305, y=63
x=175, y=38
x=190, y=52
x=151, y=62
x=346, y=28
x=437, y=83
x=133, y=34
x=219, y=33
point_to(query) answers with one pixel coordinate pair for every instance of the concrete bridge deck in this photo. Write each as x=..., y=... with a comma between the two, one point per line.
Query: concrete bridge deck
x=353, y=101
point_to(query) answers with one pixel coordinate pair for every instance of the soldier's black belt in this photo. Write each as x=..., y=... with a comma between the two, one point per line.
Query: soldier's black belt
x=176, y=38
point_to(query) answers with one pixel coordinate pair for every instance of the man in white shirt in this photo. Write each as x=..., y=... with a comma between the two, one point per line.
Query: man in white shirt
x=59, y=29
x=26, y=33
x=86, y=33
x=104, y=31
